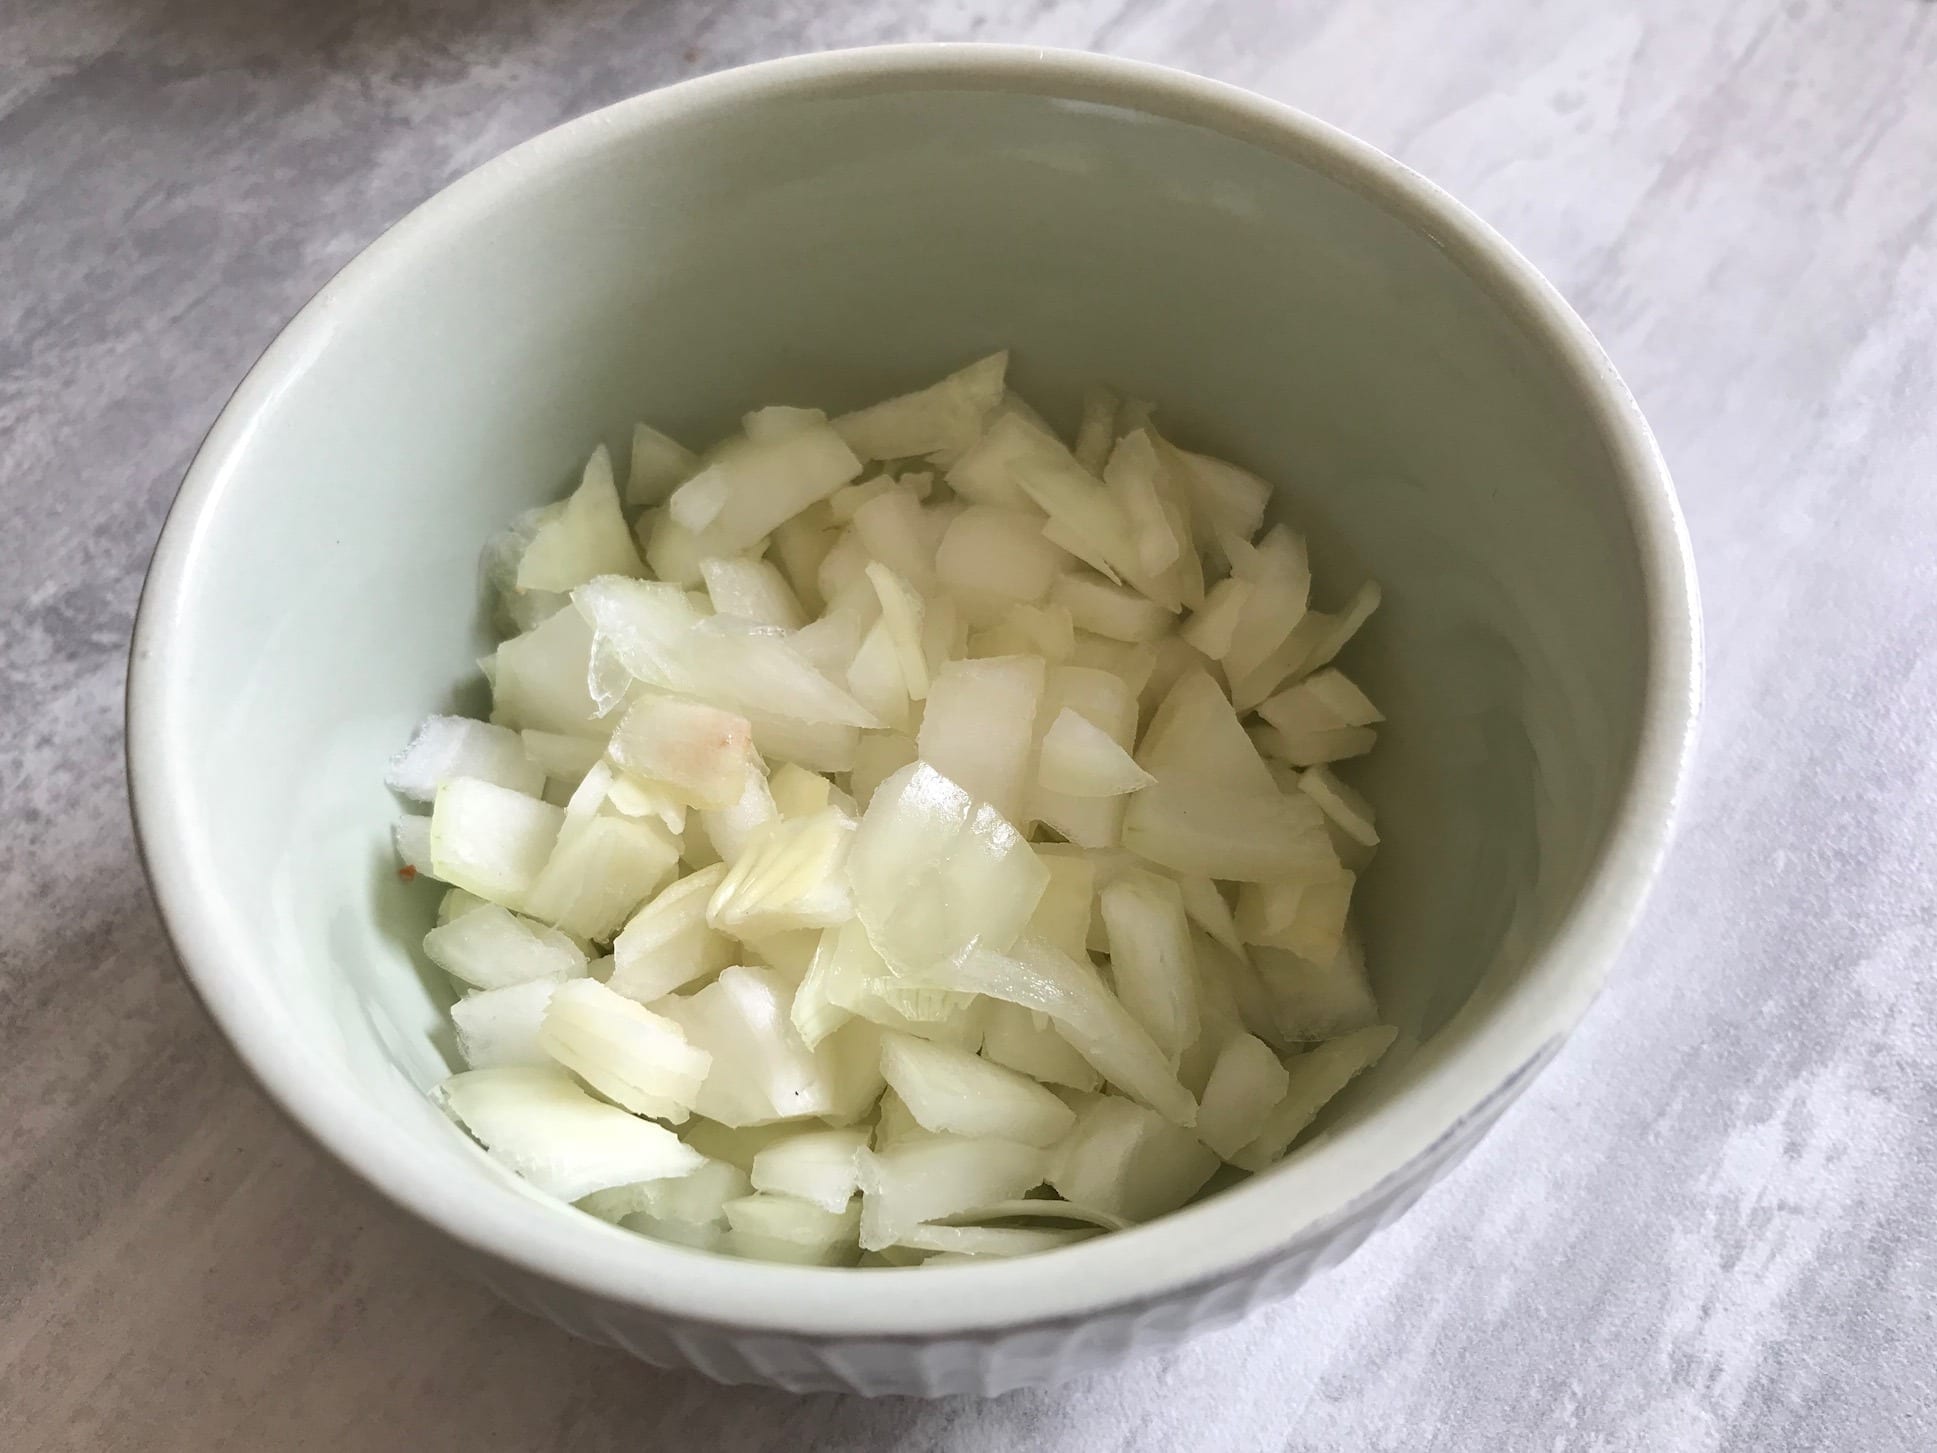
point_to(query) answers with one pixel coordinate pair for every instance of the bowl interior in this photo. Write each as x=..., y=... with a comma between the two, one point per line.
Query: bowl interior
x=826, y=246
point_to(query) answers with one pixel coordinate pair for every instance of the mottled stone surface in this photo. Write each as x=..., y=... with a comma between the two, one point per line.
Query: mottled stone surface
x=1709, y=1225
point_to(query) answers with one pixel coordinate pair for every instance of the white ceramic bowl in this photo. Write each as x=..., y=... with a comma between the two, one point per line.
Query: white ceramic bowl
x=829, y=229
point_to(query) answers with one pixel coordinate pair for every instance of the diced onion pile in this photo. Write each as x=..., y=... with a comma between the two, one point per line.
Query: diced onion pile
x=901, y=837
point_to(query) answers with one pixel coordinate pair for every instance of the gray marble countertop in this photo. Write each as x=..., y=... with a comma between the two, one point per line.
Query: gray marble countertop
x=1709, y=1225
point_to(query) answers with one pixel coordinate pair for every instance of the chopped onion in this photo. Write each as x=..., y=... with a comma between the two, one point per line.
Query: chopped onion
x=781, y=1228
x=1317, y=1001
x=821, y=1167
x=668, y=944
x=490, y=948
x=1124, y=1158
x=448, y=747
x=541, y=1126
x=659, y=465
x=949, y=1091
x=935, y=875
x=793, y=875
x=1079, y=759
x=499, y=1027
x=587, y=537
x=848, y=774
x=1150, y=958
x=932, y=1176
x=1315, y=1077
x=760, y=1069
x=629, y=1054
x=1246, y=1085
x=978, y=728
x=944, y=418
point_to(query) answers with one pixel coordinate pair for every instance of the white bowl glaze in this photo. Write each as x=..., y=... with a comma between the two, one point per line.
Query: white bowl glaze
x=827, y=229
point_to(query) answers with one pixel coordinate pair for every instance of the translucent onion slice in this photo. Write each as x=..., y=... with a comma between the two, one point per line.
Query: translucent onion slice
x=1151, y=962
x=1315, y=1077
x=448, y=747
x=539, y=1124
x=978, y=728
x=697, y=1197
x=668, y=943
x=927, y=1178
x=821, y=1167
x=659, y=465
x=1314, y=1001
x=587, y=537
x=992, y=556
x=497, y=1028
x=781, y=1228
x=1080, y=759
x=1028, y=1043
x=1342, y=805
x=792, y=876
x=761, y=1071
x=629, y=1054
x=1246, y=1084
x=935, y=875
x=1121, y=614
x=950, y=1091
x=753, y=590
x=765, y=482
x=490, y=840
x=1038, y=976
x=1124, y=1158
x=492, y=948
x=599, y=872
x=945, y=418
x=701, y=753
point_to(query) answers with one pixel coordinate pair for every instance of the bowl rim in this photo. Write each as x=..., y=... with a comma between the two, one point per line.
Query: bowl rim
x=1300, y=1205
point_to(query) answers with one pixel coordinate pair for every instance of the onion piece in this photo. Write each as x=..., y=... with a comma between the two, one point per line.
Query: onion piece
x=659, y=465
x=701, y=753
x=587, y=537
x=821, y=1167
x=1304, y=913
x=599, y=872
x=561, y=756
x=761, y=1071
x=499, y=1027
x=1016, y=1039
x=1342, y=805
x=541, y=678
x=491, y=948
x=668, y=943
x=539, y=1124
x=1151, y=962
x=1133, y=474
x=446, y=747
x=1041, y=977
x=953, y=1092
x=765, y=482
x=1246, y=1084
x=1213, y=626
x=1079, y=759
x=1315, y=1001
x=1124, y=1158
x=792, y=876
x=933, y=1176
x=732, y=830
x=935, y=875
x=780, y=1228
x=629, y=1054
x=945, y=418
x=991, y=557
x=1045, y=1208
x=753, y=590
x=1210, y=832
x=1315, y=1077
x=697, y=1198
x=978, y=728
x=490, y=840
x=1121, y=614
x=902, y=615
